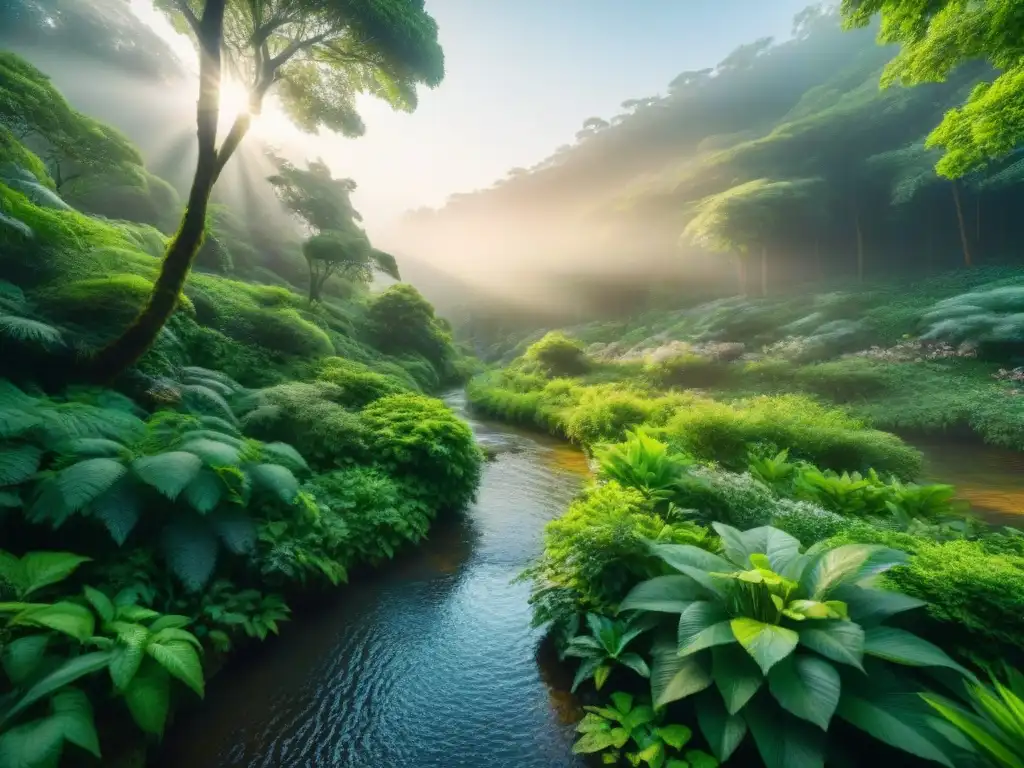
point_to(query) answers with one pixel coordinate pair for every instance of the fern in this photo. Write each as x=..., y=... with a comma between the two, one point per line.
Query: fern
x=236, y=529
x=119, y=509
x=213, y=452
x=83, y=482
x=170, y=472
x=202, y=398
x=27, y=331
x=276, y=479
x=18, y=463
x=12, y=298
x=205, y=492
x=284, y=454
x=190, y=548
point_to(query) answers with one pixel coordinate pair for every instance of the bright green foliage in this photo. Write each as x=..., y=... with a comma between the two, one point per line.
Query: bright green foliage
x=605, y=647
x=598, y=549
x=687, y=370
x=558, y=355
x=785, y=640
x=347, y=254
x=643, y=463
x=936, y=38
x=419, y=439
x=623, y=721
x=360, y=383
x=226, y=612
x=996, y=724
x=401, y=321
x=121, y=296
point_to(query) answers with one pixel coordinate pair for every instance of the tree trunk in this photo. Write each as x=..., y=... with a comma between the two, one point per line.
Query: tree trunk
x=126, y=350
x=741, y=274
x=960, y=221
x=764, y=270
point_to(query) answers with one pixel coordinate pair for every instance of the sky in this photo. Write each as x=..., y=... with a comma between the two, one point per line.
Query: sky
x=521, y=77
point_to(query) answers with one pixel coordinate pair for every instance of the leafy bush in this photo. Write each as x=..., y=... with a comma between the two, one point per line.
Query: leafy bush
x=604, y=647
x=402, y=321
x=608, y=729
x=598, y=548
x=360, y=383
x=605, y=413
x=558, y=355
x=728, y=497
x=420, y=439
x=787, y=639
x=688, y=370
x=644, y=464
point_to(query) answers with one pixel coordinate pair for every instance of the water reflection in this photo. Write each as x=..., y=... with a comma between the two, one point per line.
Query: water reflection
x=430, y=664
x=990, y=478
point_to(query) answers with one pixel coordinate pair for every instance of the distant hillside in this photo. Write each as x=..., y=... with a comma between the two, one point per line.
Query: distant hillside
x=829, y=171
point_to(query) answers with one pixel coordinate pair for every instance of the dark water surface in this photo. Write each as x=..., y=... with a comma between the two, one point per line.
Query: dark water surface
x=990, y=478
x=430, y=665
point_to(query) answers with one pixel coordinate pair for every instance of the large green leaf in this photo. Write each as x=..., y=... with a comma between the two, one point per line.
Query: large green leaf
x=666, y=594
x=767, y=644
x=21, y=657
x=65, y=674
x=722, y=731
x=101, y=603
x=149, y=697
x=885, y=725
x=36, y=744
x=71, y=708
x=18, y=463
x=119, y=509
x=282, y=453
x=841, y=641
x=68, y=618
x=903, y=647
x=587, y=669
x=80, y=483
x=275, y=479
x=635, y=662
x=847, y=564
x=870, y=606
x=806, y=686
x=190, y=547
x=236, y=529
x=703, y=625
x=41, y=569
x=978, y=731
x=181, y=660
x=783, y=741
x=213, y=452
x=93, y=447
x=674, y=677
x=205, y=492
x=682, y=556
x=736, y=675
x=129, y=652
x=739, y=546
x=169, y=472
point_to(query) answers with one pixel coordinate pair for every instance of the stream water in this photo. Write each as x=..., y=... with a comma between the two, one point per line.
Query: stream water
x=430, y=665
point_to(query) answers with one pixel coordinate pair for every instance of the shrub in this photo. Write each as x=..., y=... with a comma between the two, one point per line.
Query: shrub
x=728, y=497
x=599, y=548
x=688, y=370
x=558, y=355
x=310, y=417
x=401, y=321
x=605, y=413
x=826, y=437
x=977, y=596
x=644, y=464
x=361, y=384
x=807, y=522
x=843, y=380
x=419, y=438
x=787, y=638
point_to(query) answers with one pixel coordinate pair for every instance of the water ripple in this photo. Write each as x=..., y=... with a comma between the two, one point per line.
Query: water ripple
x=432, y=665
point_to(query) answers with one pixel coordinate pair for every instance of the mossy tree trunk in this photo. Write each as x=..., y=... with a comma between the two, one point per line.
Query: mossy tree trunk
x=126, y=350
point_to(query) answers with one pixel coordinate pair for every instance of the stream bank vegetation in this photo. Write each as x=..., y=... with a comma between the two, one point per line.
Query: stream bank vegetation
x=276, y=437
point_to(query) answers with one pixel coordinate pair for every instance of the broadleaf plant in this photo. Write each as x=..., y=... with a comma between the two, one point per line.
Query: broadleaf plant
x=777, y=643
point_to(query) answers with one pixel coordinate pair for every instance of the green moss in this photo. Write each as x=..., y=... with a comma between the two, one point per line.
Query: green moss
x=15, y=153
x=111, y=302
x=362, y=385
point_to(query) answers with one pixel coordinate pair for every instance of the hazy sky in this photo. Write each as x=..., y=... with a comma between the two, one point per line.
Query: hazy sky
x=522, y=75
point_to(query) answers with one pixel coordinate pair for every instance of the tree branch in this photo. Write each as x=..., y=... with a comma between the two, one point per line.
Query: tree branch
x=190, y=17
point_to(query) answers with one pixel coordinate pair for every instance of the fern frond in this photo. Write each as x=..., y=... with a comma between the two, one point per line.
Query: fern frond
x=18, y=463
x=27, y=331
x=213, y=452
x=202, y=398
x=119, y=509
x=210, y=434
x=18, y=412
x=262, y=416
x=282, y=453
x=236, y=529
x=12, y=298
x=190, y=548
x=275, y=479
x=219, y=424
x=168, y=472
x=64, y=421
x=92, y=447
x=9, y=499
x=82, y=482
x=196, y=372
x=205, y=492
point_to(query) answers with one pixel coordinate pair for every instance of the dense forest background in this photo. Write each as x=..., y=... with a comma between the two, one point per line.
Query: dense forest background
x=784, y=165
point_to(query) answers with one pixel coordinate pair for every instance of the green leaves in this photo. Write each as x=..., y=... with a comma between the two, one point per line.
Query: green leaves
x=767, y=644
x=18, y=463
x=39, y=743
x=841, y=641
x=21, y=657
x=168, y=472
x=180, y=659
x=668, y=594
x=807, y=687
x=886, y=725
x=737, y=676
x=847, y=564
x=37, y=570
x=703, y=625
x=68, y=618
x=903, y=647
x=80, y=483
x=148, y=697
x=65, y=674
x=674, y=677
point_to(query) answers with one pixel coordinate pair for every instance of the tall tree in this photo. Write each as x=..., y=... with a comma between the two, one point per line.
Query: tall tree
x=937, y=36
x=324, y=206
x=319, y=54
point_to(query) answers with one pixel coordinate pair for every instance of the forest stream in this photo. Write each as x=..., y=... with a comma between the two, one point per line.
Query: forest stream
x=431, y=663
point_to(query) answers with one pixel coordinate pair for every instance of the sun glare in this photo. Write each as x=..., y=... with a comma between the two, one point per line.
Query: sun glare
x=234, y=101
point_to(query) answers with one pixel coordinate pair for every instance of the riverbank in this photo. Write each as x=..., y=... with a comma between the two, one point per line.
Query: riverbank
x=430, y=662
x=677, y=464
